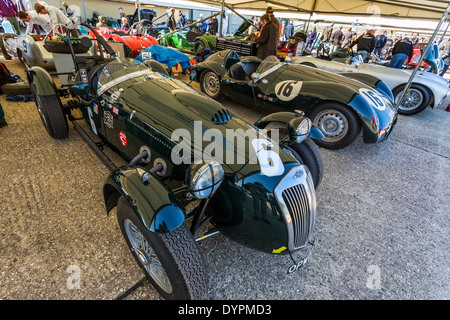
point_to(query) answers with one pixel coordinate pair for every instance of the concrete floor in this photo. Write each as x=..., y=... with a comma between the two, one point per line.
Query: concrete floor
x=382, y=229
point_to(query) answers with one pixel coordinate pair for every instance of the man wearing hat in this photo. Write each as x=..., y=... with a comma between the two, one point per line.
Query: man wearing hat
x=122, y=14
x=269, y=12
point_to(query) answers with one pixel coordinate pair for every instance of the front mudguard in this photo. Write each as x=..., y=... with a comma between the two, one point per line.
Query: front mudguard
x=42, y=81
x=286, y=117
x=155, y=205
x=199, y=68
x=376, y=126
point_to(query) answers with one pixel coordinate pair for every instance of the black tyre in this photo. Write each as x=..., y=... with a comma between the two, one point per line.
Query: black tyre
x=310, y=155
x=417, y=99
x=338, y=123
x=52, y=115
x=171, y=261
x=210, y=84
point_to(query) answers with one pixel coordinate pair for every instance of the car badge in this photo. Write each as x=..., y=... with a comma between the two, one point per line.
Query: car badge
x=298, y=174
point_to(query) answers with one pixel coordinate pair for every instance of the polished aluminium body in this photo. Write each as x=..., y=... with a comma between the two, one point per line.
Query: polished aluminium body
x=437, y=88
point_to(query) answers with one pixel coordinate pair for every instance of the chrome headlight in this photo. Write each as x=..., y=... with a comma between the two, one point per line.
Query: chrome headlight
x=299, y=129
x=203, y=180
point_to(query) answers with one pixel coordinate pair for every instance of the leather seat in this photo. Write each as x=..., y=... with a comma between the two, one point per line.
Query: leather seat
x=237, y=72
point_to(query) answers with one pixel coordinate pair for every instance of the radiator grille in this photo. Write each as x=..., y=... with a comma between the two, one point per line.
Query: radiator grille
x=296, y=201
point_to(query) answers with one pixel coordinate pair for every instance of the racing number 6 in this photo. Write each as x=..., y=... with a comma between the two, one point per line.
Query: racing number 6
x=269, y=160
x=286, y=89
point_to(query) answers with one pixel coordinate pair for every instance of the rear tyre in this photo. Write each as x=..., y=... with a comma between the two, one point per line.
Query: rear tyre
x=338, y=123
x=416, y=101
x=310, y=156
x=171, y=261
x=52, y=115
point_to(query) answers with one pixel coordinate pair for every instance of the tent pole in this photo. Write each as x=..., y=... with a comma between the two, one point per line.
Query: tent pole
x=427, y=50
x=221, y=20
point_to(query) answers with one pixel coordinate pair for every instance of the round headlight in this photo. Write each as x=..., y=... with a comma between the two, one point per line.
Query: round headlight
x=299, y=129
x=204, y=179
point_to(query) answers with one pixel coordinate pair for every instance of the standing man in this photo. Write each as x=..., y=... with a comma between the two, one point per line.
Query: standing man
x=327, y=33
x=8, y=12
x=289, y=31
x=365, y=44
x=32, y=19
x=380, y=42
x=402, y=50
x=56, y=16
x=311, y=38
x=336, y=39
x=213, y=26
x=181, y=19
x=347, y=37
x=170, y=22
x=122, y=14
x=267, y=39
x=269, y=12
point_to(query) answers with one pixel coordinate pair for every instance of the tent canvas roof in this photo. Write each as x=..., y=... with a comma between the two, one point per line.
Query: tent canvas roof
x=409, y=9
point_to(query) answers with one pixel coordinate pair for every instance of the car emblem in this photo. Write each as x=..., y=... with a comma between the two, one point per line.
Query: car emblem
x=298, y=174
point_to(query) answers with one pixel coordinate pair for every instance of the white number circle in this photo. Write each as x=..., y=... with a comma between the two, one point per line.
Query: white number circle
x=374, y=98
x=288, y=90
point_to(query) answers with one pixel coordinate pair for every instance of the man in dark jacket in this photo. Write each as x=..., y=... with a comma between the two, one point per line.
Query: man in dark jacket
x=380, y=42
x=8, y=12
x=403, y=49
x=213, y=26
x=268, y=39
x=365, y=44
x=336, y=39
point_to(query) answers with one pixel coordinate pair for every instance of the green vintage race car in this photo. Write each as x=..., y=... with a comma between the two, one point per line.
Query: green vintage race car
x=339, y=105
x=190, y=162
x=176, y=40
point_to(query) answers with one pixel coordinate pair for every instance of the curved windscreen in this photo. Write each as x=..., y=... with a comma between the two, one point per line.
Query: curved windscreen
x=268, y=65
x=118, y=71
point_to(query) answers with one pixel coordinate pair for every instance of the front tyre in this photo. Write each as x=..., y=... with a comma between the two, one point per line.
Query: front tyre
x=310, y=156
x=210, y=84
x=338, y=123
x=171, y=261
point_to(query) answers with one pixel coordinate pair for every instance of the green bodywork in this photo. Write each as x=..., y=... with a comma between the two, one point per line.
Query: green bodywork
x=136, y=108
x=176, y=40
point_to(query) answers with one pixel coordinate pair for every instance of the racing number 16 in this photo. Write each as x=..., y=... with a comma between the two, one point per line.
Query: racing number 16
x=286, y=88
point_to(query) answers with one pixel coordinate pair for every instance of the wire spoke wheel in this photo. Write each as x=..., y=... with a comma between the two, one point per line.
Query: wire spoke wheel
x=412, y=100
x=147, y=256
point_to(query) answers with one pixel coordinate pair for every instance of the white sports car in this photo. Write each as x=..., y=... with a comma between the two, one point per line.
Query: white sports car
x=427, y=89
